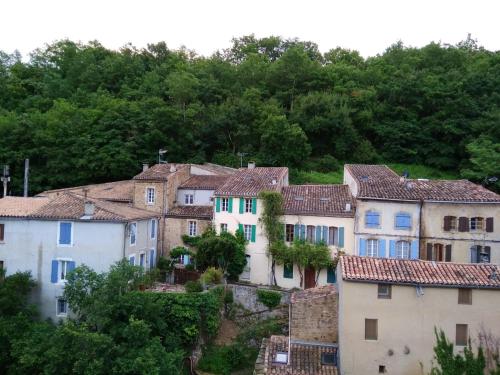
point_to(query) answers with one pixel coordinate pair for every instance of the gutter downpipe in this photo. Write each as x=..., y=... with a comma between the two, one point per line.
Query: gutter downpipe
x=125, y=238
x=163, y=213
x=420, y=243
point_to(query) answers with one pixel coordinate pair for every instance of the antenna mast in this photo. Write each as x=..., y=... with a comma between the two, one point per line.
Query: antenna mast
x=5, y=179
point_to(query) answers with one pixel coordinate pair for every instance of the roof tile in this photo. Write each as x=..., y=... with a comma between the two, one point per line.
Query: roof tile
x=320, y=200
x=249, y=182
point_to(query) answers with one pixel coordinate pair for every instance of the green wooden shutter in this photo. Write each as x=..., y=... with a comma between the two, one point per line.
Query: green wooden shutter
x=254, y=206
x=242, y=204
x=240, y=228
x=217, y=204
x=254, y=228
x=230, y=205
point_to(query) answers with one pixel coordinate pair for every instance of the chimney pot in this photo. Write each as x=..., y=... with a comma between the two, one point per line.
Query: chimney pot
x=89, y=208
x=145, y=167
x=251, y=165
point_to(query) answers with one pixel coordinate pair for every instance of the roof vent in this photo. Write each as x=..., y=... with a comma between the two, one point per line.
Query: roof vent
x=281, y=357
x=172, y=168
x=323, y=199
x=251, y=165
x=299, y=198
x=348, y=207
x=364, y=178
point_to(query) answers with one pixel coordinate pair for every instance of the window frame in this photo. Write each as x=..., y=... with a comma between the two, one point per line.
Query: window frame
x=248, y=205
x=188, y=199
x=402, y=214
x=384, y=295
x=462, y=342
x=333, y=236
x=398, y=249
x=142, y=256
x=224, y=204
x=369, y=320
x=192, y=228
x=372, y=213
x=249, y=227
x=134, y=232
x=464, y=299
x=150, y=195
x=58, y=313
x=62, y=272
x=288, y=271
x=310, y=233
x=59, y=244
x=476, y=227
x=375, y=241
x=223, y=227
x=152, y=232
x=289, y=232
x=2, y=232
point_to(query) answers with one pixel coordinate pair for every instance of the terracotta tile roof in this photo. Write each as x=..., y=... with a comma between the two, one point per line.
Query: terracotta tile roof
x=160, y=172
x=68, y=206
x=204, y=182
x=313, y=293
x=380, y=182
x=249, y=182
x=318, y=200
x=215, y=168
x=195, y=212
x=305, y=358
x=20, y=206
x=412, y=272
x=117, y=191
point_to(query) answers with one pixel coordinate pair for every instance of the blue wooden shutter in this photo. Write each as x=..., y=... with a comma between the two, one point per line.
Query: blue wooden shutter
x=254, y=206
x=71, y=266
x=381, y=249
x=362, y=247
x=151, y=259
x=414, y=249
x=217, y=204
x=318, y=234
x=341, y=237
x=392, y=249
x=302, y=232
x=53, y=273
x=330, y=275
x=65, y=233
x=296, y=232
x=132, y=260
x=325, y=235
x=254, y=228
x=230, y=205
x=288, y=271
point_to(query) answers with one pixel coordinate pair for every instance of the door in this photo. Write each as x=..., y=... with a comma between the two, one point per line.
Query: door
x=309, y=278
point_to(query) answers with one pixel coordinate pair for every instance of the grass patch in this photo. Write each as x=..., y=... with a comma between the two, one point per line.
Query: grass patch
x=422, y=171
x=313, y=177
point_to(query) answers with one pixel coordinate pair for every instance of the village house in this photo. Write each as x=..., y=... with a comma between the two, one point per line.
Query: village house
x=388, y=310
x=441, y=220
x=49, y=237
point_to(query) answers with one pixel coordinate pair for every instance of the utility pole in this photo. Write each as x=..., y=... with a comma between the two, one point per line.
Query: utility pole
x=26, y=176
x=5, y=179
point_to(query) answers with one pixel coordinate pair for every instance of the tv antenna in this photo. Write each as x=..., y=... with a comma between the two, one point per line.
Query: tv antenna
x=161, y=152
x=5, y=179
x=241, y=154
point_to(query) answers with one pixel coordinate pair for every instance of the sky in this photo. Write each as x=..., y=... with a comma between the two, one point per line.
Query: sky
x=369, y=26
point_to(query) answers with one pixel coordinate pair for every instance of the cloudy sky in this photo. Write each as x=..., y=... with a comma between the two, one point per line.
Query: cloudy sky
x=368, y=26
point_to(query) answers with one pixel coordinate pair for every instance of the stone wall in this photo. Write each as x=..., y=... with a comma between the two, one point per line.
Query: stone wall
x=315, y=318
x=175, y=228
x=246, y=295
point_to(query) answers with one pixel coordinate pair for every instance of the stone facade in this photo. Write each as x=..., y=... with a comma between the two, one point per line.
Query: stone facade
x=175, y=228
x=314, y=315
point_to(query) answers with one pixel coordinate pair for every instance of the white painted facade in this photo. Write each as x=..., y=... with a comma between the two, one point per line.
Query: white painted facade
x=200, y=197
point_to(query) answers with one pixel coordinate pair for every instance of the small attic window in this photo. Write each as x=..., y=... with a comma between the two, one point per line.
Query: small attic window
x=299, y=198
x=328, y=359
x=281, y=357
x=364, y=178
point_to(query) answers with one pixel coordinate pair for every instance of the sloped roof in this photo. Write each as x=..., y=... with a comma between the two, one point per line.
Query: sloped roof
x=215, y=168
x=117, y=191
x=195, y=212
x=160, y=172
x=204, y=182
x=420, y=272
x=249, y=182
x=20, y=206
x=68, y=206
x=380, y=182
x=318, y=200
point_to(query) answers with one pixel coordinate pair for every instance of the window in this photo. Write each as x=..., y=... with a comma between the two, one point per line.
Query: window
x=248, y=205
x=331, y=278
x=436, y=252
x=225, y=204
x=288, y=271
x=310, y=233
x=476, y=223
x=223, y=228
x=142, y=259
x=61, y=307
x=403, y=250
x=372, y=248
x=131, y=260
x=329, y=359
x=403, y=221
x=480, y=254
x=461, y=335
x=133, y=233
x=189, y=199
x=153, y=229
x=381, y=369
x=332, y=236
x=384, y=291
x=247, y=232
x=289, y=229
x=192, y=228
x=465, y=296
x=150, y=195
x=450, y=223
x=372, y=219
x=2, y=232
x=371, y=329
x=63, y=270
x=65, y=234
x=463, y=224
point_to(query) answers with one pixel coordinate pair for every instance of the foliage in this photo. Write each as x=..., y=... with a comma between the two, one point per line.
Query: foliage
x=269, y=298
x=14, y=292
x=211, y=276
x=224, y=251
x=193, y=286
x=456, y=364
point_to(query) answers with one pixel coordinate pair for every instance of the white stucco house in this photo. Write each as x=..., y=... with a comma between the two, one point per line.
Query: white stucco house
x=51, y=236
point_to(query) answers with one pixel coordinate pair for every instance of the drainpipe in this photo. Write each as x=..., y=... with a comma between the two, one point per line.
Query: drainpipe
x=420, y=232
x=163, y=212
x=289, y=331
x=124, y=238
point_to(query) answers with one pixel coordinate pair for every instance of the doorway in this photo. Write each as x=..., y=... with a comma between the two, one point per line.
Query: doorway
x=309, y=278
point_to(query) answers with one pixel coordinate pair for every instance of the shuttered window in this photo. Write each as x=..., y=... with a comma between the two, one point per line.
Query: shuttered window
x=371, y=329
x=480, y=254
x=476, y=223
x=2, y=232
x=289, y=232
x=330, y=275
x=461, y=335
x=372, y=219
x=447, y=256
x=288, y=271
x=402, y=221
x=372, y=248
x=332, y=235
x=65, y=234
x=463, y=224
x=489, y=224
x=450, y=223
x=465, y=296
x=310, y=233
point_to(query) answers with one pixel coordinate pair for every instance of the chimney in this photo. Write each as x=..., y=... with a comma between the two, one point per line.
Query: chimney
x=348, y=207
x=145, y=167
x=172, y=168
x=274, y=182
x=251, y=165
x=89, y=209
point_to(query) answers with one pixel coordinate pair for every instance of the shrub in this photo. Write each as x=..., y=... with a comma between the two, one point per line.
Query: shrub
x=268, y=298
x=228, y=297
x=193, y=287
x=211, y=276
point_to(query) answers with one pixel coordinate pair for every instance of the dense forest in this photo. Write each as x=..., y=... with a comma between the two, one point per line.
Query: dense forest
x=83, y=113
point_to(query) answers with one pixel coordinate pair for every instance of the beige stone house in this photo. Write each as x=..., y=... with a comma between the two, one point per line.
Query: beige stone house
x=389, y=308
